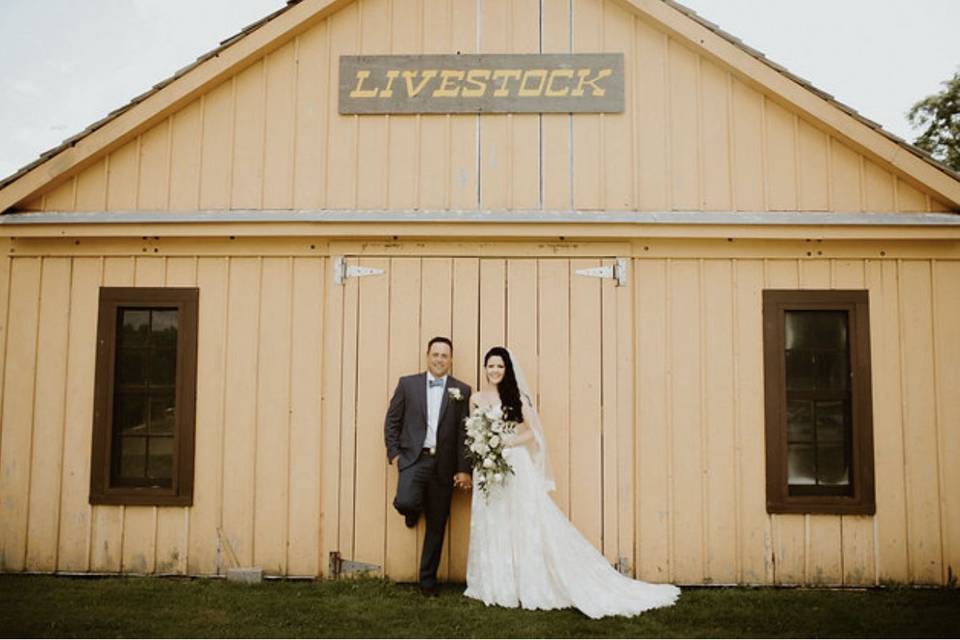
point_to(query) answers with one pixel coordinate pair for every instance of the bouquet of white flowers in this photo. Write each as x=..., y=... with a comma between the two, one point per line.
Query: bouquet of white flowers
x=486, y=434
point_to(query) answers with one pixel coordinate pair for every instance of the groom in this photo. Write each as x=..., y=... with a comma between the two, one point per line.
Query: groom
x=424, y=431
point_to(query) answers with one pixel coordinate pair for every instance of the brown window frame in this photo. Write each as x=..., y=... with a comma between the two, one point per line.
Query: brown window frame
x=186, y=301
x=776, y=302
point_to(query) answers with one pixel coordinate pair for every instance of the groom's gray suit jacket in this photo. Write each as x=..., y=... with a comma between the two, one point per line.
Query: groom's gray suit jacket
x=405, y=427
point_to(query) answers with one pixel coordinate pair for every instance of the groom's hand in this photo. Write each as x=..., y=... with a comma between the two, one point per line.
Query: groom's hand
x=462, y=481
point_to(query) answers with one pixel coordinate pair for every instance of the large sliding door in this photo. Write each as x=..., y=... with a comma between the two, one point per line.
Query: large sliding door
x=573, y=334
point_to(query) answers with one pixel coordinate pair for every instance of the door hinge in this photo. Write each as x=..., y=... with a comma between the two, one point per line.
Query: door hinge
x=342, y=271
x=340, y=566
x=616, y=271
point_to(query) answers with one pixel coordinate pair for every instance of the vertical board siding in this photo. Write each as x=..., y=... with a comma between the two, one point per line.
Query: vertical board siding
x=678, y=494
x=556, y=143
x=403, y=140
x=371, y=488
x=618, y=128
x=694, y=134
x=48, y=434
x=185, y=158
x=273, y=416
x=206, y=514
x=123, y=177
x=340, y=139
x=49, y=524
x=240, y=406
x=859, y=545
x=435, y=150
x=154, y=173
x=587, y=128
x=920, y=422
x=717, y=423
x=92, y=187
x=891, y=490
x=306, y=336
x=75, y=510
x=375, y=38
x=684, y=127
x=16, y=439
x=465, y=335
x=654, y=512
x=313, y=84
x=756, y=559
x=248, y=137
x=685, y=412
x=946, y=334
x=280, y=128
x=714, y=141
x=217, y=146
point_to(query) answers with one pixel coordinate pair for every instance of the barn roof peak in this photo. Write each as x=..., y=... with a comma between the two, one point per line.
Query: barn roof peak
x=269, y=32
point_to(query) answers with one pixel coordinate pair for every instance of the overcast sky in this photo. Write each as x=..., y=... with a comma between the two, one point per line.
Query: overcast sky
x=67, y=63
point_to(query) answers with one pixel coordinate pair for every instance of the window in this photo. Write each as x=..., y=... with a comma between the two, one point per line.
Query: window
x=145, y=396
x=819, y=424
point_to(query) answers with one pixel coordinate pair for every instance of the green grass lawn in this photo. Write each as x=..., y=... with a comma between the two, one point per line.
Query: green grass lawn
x=33, y=606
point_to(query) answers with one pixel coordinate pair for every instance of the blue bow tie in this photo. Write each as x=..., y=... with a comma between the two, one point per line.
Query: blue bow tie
x=434, y=383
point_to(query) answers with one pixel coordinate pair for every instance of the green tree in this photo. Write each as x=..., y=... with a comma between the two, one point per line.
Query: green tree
x=939, y=115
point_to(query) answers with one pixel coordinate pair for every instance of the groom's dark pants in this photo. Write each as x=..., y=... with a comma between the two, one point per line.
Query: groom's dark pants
x=420, y=489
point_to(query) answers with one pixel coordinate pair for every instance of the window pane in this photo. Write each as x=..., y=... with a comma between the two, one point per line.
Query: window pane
x=816, y=330
x=133, y=457
x=160, y=462
x=162, y=415
x=165, y=327
x=130, y=414
x=832, y=371
x=130, y=365
x=163, y=366
x=832, y=465
x=134, y=327
x=799, y=421
x=800, y=464
x=801, y=371
x=831, y=422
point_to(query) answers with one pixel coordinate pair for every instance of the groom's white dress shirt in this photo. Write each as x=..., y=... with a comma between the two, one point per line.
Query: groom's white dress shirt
x=434, y=400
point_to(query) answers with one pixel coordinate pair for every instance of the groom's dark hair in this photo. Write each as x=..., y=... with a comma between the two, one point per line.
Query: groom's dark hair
x=437, y=339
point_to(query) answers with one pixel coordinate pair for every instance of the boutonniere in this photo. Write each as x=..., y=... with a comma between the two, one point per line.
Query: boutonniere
x=455, y=394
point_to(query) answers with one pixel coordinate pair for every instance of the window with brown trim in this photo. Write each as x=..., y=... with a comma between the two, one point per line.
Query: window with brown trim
x=819, y=420
x=145, y=396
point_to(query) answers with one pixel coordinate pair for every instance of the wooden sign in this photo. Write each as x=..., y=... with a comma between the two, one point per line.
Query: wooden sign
x=483, y=83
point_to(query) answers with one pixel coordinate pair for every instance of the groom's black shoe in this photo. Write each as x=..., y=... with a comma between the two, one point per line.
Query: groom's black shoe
x=411, y=519
x=429, y=592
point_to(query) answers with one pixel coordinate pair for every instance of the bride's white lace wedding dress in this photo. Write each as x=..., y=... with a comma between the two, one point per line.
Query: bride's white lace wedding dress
x=525, y=552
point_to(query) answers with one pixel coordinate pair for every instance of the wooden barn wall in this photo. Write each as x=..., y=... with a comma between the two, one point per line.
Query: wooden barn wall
x=694, y=135
x=257, y=424
x=268, y=460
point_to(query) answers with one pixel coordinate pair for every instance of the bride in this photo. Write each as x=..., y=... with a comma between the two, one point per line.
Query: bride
x=523, y=550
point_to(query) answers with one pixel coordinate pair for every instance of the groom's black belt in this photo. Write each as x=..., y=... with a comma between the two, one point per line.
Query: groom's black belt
x=429, y=451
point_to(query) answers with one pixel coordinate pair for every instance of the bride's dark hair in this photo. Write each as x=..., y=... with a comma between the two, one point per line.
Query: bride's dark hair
x=508, y=389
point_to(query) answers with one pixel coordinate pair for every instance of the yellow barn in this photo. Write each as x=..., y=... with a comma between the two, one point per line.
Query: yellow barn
x=737, y=300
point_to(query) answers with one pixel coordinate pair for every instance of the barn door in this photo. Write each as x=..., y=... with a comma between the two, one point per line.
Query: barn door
x=573, y=334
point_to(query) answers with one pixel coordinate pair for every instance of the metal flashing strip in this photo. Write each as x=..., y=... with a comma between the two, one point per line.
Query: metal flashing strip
x=696, y=218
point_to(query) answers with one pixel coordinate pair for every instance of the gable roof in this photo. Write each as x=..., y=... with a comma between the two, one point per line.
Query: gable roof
x=273, y=30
